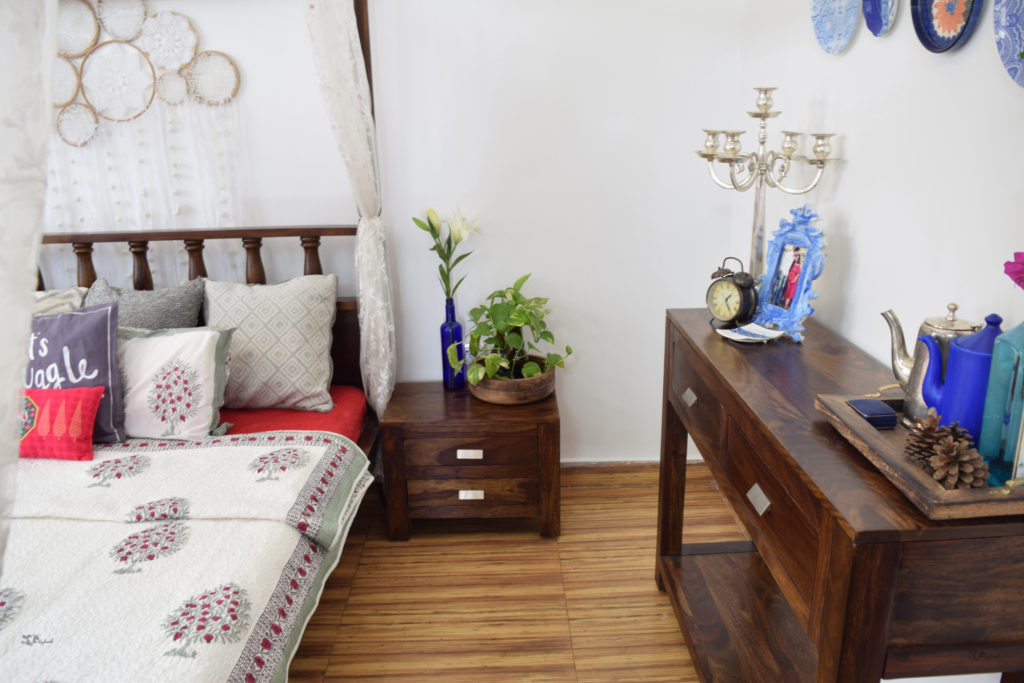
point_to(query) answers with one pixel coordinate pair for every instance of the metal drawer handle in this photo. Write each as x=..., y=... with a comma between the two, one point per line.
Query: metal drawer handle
x=471, y=494
x=689, y=398
x=469, y=454
x=758, y=499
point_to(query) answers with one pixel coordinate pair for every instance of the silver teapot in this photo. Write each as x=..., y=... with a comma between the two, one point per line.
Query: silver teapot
x=910, y=370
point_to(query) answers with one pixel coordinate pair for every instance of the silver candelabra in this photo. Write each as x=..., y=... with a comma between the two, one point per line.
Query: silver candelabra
x=762, y=168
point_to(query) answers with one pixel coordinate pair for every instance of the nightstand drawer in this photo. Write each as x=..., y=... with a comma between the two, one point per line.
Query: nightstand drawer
x=468, y=452
x=512, y=497
x=785, y=537
x=701, y=411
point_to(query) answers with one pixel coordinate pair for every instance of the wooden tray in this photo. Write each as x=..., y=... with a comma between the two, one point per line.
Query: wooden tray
x=884, y=448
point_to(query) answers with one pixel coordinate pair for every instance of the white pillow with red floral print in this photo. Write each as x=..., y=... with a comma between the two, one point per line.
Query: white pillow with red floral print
x=173, y=381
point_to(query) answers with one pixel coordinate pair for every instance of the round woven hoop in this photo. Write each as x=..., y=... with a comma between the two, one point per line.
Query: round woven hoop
x=212, y=78
x=134, y=65
x=77, y=124
x=77, y=28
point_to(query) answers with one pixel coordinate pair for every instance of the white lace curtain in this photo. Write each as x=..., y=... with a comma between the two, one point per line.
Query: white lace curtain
x=346, y=91
x=27, y=49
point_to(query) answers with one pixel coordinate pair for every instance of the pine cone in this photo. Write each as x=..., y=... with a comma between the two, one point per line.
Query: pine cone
x=924, y=436
x=957, y=465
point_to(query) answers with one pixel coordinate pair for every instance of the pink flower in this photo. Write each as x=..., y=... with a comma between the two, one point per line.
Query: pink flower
x=1015, y=268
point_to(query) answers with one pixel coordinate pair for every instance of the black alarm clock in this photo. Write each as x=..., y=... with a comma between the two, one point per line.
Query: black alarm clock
x=732, y=297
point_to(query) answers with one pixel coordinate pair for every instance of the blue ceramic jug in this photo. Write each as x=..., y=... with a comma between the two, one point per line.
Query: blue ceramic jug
x=961, y=397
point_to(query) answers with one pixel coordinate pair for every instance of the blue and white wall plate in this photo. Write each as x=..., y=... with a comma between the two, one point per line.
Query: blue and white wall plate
x=944, y=24
x=879, y=15
x=1008, y=20
x=834, y=23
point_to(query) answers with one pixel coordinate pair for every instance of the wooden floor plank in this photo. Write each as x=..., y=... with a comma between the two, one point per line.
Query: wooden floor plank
x=473, y=600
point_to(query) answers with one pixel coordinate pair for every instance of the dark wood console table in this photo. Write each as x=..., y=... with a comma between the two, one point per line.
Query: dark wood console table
x=844, y=579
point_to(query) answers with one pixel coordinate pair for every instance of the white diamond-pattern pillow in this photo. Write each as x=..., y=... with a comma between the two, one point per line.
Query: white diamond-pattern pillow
x=280, y=353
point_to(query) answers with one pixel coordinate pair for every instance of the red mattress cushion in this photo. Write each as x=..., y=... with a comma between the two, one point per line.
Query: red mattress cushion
x=346, y=418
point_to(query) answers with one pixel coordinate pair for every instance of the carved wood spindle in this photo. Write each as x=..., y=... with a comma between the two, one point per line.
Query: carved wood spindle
x=86, y=271
x=196, y=266
x=142, y=277
x=311, y=245
x=254, y=274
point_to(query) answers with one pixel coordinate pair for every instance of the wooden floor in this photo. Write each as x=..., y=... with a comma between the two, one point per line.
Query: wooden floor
x=493, y=601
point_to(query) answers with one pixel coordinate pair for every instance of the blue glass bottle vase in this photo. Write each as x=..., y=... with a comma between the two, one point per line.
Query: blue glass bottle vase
x=451, y=333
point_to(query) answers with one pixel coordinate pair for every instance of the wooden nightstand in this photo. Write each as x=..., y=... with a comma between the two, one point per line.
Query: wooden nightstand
x=447, y=455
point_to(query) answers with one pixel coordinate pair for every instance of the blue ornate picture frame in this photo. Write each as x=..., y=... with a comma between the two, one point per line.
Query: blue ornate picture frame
x=795, y=260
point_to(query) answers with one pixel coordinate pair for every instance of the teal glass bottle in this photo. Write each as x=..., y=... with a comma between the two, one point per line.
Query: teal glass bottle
x=1000, y=440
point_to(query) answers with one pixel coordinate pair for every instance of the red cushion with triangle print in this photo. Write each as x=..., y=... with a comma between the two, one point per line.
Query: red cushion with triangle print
x=57, y=423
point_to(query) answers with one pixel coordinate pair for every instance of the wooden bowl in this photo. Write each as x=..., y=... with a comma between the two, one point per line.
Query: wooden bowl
x=510, y=392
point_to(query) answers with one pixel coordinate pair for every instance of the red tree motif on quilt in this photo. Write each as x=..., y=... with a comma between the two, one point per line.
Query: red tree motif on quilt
x=10, y=604
x=279, y=461
x=117, y=468
x=148, y=545
x=175, y=394
x=218, y=615
x=160, y=510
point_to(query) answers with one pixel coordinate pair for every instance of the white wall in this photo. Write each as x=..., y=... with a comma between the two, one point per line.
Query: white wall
x=568, y=127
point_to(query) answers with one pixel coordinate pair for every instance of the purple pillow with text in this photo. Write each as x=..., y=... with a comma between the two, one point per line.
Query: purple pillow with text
x=79, y=349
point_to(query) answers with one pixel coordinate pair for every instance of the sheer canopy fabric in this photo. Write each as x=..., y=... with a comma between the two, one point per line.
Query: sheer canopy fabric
x=346, y=91
x=28, y=45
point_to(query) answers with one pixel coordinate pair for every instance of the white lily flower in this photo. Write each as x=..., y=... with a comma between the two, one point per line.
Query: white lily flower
x=460, y=228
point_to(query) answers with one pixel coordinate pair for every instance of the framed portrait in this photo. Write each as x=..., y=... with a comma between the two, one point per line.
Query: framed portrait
x=795, y=260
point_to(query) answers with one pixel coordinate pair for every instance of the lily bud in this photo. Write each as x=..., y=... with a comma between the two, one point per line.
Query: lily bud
x=434, y=220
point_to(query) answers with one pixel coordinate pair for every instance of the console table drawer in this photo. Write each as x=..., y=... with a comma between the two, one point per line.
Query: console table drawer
x=469, y=452
x=791, y=537
x=702, y=412
x=509, y=497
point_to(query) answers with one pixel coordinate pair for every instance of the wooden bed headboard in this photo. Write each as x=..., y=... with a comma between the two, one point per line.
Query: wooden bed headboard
x=345, y=349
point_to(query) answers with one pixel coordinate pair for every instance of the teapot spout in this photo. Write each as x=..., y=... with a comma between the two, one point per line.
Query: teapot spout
x=902, y=362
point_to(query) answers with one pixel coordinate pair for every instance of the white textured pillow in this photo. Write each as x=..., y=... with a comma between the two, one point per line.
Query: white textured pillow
x=280, y=355
x=173, y=381
x=59, y=300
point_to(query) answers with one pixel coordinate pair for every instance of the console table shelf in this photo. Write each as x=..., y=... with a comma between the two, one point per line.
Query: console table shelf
x=843, y=579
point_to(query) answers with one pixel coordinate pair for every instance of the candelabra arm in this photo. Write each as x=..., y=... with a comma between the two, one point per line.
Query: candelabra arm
x=809, y=187
x=714, y=176
x=753, y=172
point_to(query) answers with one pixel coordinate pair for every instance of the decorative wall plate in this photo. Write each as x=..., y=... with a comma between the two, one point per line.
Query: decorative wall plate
x=944, y=24
x=212, y=78
x=65, y=81
x=171, y=88
x=169, y=40
x=118, y=81
x=834, y=23
x=76, y=124
x=1008, y=20
x=879, y=15
x=77, y=28
x=122, y=19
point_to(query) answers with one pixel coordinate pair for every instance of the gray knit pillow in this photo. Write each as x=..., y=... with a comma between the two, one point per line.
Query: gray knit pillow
x=156, y=309
x=280, y=353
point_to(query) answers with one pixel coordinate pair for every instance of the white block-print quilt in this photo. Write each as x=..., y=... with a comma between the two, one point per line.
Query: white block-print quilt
x=171, y=561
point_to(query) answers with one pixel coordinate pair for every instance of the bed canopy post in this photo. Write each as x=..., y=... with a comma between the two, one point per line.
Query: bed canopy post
x=196, y=266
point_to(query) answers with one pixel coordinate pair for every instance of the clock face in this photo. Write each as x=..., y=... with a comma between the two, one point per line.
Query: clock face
x=724, y=299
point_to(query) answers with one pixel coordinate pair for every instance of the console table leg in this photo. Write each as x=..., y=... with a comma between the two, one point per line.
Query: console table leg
x=671, y=488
